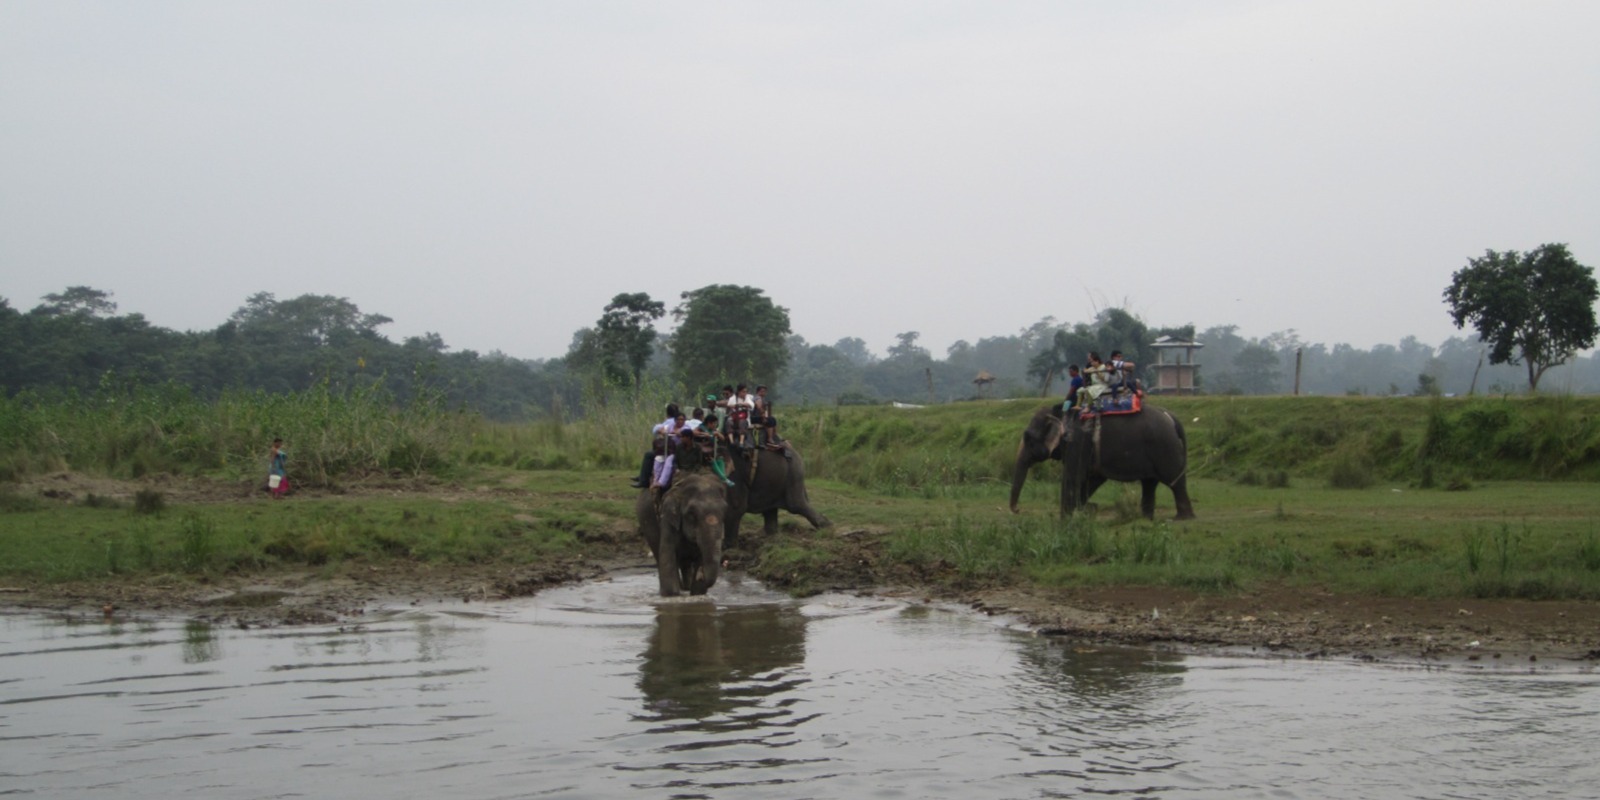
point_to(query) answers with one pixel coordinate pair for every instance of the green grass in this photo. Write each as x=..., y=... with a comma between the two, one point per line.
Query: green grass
x=60, y=543
x=1490, y=497
x=1525, y=539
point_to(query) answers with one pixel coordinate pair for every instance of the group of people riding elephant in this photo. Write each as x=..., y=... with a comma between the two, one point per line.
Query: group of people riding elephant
x=703, y=474
x=1105, y=432
x=703, y=477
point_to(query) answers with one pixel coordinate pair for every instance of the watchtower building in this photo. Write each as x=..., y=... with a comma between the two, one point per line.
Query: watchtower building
x=1175, y=370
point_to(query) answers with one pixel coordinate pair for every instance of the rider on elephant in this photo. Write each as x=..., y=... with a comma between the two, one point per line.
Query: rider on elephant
x=1122, y=373
x=1098, y=375
x=741, y=406
x=766, y=424
x=658, y=446
x=708, y=441
x=1074, y=387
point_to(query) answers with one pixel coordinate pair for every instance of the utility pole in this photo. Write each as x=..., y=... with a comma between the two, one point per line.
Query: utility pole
x=1297, y=353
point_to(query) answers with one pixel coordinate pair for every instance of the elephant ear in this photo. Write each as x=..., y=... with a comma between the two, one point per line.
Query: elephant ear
x=671, y=514
x=1052, y=436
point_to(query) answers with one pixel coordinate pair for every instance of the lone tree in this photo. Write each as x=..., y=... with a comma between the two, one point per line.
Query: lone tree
x=727, y=334
x=1535, y=308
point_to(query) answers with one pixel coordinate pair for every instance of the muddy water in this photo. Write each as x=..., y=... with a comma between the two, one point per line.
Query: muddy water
x=603, y=691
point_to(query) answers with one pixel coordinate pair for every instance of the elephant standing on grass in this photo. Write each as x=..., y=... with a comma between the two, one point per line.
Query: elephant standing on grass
x=1149, y=447
x=685, y=531
x=779, y=483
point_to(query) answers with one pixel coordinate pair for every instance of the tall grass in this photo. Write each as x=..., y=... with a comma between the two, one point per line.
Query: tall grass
x=612, y=433
x=132, y=431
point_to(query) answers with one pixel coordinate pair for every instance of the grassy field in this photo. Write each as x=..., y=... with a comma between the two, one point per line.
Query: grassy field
x=1478, y=497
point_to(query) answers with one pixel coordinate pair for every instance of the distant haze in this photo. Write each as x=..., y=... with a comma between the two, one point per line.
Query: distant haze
x=496, y=171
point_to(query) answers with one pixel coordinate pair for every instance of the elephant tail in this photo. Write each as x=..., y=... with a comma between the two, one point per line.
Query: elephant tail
x=1183, y=445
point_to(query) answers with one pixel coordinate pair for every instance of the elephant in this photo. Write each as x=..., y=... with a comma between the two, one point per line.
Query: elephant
x=685, y=530
x=1149, y=447
x=779, y=483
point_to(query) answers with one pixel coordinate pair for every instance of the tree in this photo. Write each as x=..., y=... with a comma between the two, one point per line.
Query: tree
x=1256, y=370
x=855, y=349
x=626, y=339
x=78, y=300
x=1535, y=308
x=1066, y=348
x=728, y=333
x=907, y=349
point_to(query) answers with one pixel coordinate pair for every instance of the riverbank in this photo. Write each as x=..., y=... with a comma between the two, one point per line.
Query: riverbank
x=1270, y=622
x=1266, y=619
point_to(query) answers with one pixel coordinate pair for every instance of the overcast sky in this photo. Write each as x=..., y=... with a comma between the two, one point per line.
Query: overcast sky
x=496, y=171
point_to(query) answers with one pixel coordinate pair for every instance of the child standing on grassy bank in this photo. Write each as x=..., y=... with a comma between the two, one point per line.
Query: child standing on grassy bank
x=277, y=470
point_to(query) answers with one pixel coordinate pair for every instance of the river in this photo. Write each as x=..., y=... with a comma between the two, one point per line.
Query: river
x=603, y=690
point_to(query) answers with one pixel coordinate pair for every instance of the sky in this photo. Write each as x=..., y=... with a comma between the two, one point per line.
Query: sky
x=495, y=172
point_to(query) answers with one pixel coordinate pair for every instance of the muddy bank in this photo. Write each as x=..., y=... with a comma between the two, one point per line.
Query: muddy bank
x=1272, y=623
x=1293, y=623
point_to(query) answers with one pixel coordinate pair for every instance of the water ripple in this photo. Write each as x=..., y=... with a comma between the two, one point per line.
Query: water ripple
x=603, y=690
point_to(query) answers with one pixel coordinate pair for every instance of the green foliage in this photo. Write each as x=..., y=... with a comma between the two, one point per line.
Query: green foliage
x=1351, y=469
x=729, y=334
x=1588, y=554
x=133, y=431
x=197, y=544
x=1535, y=308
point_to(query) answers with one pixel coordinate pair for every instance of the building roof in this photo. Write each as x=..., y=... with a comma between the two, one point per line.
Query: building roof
x=1168, y=341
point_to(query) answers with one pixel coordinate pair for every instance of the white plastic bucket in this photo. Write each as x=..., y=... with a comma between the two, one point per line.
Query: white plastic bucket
x=273, y=481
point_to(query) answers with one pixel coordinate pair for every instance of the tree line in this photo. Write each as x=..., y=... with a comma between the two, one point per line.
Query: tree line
x=1533, y=313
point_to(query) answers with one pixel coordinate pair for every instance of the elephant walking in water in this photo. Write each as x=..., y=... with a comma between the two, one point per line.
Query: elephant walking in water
x=779, y=483
x=684, y=531
x=1149, y=447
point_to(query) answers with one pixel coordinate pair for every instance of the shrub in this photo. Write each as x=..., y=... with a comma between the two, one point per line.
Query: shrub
x=1350, y=471
x=149, y=501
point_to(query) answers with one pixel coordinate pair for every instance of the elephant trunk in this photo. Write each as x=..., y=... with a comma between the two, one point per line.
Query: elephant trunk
x=710, y=565
x=1019, y=474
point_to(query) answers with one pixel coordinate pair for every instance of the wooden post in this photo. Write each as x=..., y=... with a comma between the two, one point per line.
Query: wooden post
x=1297, y=353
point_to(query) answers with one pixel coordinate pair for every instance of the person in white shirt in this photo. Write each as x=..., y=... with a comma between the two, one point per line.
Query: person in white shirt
x=740, y=407
x=657, y=450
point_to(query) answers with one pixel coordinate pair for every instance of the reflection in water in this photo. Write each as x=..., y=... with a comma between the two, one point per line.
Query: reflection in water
x=1109, y=677
x=704, y=662
x=597, y=691
x=199, y=646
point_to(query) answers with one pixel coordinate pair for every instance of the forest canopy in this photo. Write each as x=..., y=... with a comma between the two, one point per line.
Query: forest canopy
x=80, y=340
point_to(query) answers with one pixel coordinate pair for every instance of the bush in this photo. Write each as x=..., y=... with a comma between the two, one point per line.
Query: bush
x=149, y=501
x=12, y=501
x=1350, y=471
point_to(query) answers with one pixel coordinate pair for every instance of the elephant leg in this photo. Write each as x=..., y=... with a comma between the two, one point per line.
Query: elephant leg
x=797, y=501
x=667, y=568
x=1147, y=497
x=1090, y=484
x=816, y=520
x=769, y=522
x=1180, y=496
x=686, y=576
x=730, y=532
